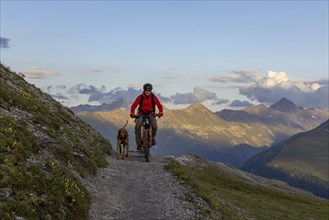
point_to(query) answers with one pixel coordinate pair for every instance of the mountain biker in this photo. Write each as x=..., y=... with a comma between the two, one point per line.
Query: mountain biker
x=146, y=101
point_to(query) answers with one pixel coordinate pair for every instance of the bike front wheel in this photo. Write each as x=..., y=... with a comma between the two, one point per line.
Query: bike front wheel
x=146, y=146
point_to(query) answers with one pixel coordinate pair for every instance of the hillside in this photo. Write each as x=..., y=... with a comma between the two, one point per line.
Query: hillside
x=45, y=149
x=302, y=161
x=233, y=194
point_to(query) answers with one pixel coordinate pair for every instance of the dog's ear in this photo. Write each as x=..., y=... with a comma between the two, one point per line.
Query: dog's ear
x=118, y=134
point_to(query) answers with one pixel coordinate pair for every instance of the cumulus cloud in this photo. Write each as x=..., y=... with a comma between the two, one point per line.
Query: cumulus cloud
x=86, y=89
x=238, y=103
x=4, y=42
x=240, y=76
x=277, y=85
x=39, y=74
x=199, y=95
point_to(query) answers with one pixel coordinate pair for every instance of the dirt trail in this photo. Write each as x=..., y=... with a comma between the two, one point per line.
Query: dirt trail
x=134, y=189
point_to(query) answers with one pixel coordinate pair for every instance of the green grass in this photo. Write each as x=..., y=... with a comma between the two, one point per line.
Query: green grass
x=308, y=155
x=237, y=199
x=37, y=189
x=38, y=174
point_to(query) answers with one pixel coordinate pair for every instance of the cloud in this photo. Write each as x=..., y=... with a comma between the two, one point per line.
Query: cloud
x=75, y=95
x=59, y=96
x=108, y=97
x=199, y=95
x=55, y=89
x=4, y=42
x=57, y=92
x=93, y=95
x=39, y=74
x=94, y=70
x=121, y=94
x=240, y=76
x=100, y=70
x=220, y=102
x=238, y=103
x=277, y=85
x=86, y=89
x=76, y=90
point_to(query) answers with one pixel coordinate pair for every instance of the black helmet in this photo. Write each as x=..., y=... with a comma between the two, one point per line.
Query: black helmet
x=147, y=86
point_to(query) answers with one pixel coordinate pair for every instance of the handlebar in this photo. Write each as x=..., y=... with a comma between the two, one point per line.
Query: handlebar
x=155, y=115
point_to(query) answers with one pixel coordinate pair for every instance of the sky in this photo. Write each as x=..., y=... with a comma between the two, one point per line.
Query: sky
x=223, y=54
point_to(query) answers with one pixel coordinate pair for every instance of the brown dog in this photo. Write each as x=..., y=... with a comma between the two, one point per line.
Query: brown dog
x=122, y=142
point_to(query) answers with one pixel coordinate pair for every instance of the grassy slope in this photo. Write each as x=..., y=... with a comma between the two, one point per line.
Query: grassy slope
x=237, y=198
x=301, y=161
x=308, y=154
x=43, y=148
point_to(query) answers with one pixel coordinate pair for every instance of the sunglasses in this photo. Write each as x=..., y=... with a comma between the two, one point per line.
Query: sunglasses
x=147, y=90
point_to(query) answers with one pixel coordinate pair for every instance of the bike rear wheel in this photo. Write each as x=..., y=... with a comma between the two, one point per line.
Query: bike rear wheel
x=146, y=146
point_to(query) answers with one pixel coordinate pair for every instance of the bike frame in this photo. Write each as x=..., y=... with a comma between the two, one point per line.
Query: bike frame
x=146, y=135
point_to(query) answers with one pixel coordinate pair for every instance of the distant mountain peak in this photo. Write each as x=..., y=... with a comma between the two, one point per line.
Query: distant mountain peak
x=197, y=107
x=284, y=105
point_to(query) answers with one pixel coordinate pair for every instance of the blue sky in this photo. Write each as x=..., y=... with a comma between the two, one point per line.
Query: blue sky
x=219, y=53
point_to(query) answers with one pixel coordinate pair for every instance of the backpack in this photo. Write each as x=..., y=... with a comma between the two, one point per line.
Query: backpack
x=141, y=102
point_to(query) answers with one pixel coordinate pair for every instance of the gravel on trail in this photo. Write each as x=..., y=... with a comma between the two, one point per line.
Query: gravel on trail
x=134, y=189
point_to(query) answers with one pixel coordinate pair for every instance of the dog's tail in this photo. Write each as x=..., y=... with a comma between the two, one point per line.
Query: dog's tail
x=125, y=124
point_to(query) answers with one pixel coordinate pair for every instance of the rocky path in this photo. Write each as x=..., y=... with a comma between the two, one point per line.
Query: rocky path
x=134, y=189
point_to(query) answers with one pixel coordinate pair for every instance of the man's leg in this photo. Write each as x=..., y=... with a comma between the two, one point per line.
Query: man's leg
x=154, y=126
x=138, y=137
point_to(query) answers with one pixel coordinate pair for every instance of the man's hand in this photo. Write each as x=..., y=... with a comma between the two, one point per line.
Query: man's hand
x=160, y=114
x=132, y=115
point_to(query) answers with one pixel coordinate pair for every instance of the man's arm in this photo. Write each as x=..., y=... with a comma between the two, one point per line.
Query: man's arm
x=135, y=104
x=158, y=103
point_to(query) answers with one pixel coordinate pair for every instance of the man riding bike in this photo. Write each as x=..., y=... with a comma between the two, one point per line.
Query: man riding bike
x=146, y=101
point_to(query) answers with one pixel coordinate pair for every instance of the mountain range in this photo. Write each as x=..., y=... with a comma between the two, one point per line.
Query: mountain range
x=283, y=113
x=227, y=136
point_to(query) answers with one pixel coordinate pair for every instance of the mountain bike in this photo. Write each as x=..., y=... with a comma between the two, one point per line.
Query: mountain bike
x=146, y=135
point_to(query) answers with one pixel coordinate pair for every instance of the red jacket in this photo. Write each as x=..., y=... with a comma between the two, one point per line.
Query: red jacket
x=146, y=105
